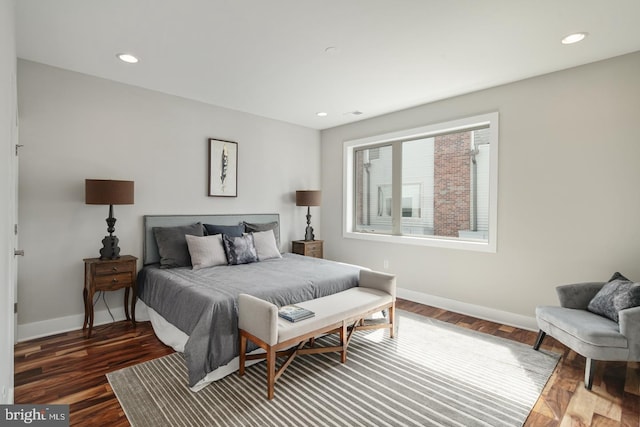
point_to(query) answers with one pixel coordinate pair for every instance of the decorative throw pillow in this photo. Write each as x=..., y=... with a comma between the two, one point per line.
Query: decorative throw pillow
x=265, y=242
x=240, y=250
x=617, y=294
x=618, y=276
x=172, y=245
x=206, y=251
x=229, y=230
x=252, y=228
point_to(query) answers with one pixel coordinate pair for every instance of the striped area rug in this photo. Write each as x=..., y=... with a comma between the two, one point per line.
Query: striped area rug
x=431, y=374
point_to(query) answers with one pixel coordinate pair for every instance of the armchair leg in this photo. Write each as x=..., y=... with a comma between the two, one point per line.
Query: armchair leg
x=589, y=370
x=541, y=336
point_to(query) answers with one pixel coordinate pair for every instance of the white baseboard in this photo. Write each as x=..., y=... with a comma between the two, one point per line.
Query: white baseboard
x=7, y=396
x=59, y=325
x=485, y=313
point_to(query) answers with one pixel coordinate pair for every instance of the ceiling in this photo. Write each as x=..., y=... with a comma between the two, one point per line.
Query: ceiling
x=289, y=59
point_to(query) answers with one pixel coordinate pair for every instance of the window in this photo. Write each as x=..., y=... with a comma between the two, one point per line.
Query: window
x=435, y=185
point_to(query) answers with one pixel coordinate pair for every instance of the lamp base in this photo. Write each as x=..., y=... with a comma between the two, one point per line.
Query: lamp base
x=308, y=232
x=308, y=235
x=110, y=248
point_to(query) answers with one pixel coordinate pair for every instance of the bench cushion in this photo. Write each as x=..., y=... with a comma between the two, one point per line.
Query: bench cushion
x=333, y=309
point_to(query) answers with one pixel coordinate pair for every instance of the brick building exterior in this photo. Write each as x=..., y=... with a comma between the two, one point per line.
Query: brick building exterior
x=452, y=183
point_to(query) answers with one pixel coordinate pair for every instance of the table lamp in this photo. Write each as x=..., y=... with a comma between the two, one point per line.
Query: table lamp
x=308, y=198
x=109, y=192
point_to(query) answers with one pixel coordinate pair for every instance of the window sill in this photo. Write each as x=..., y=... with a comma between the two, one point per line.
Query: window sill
x=436, y=242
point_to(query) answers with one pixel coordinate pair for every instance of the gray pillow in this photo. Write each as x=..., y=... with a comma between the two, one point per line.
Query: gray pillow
x=172, y=245
x=251, y=227
x=265, y=243
x=240, y=250
x=229, y=230
x=616, y=295
x=206, y=251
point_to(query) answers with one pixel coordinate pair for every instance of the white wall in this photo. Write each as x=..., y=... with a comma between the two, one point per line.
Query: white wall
x=75, y=126
x=568, y=192
x=7, y=143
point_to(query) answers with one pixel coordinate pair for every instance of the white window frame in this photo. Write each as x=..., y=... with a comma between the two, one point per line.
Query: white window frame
x=348, y=179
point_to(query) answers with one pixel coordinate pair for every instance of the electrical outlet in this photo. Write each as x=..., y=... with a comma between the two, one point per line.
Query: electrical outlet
x=385, y=264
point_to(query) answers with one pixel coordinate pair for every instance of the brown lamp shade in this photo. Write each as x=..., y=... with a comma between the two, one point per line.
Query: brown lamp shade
x=308, y=198
x=108, y=192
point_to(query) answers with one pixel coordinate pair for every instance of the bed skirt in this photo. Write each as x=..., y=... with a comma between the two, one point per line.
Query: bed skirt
x=176, y=339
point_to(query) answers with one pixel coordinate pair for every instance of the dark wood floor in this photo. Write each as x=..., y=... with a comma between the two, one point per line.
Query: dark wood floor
x=69, y=369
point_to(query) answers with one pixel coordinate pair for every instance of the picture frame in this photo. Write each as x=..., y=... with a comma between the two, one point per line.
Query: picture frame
x=223, y=168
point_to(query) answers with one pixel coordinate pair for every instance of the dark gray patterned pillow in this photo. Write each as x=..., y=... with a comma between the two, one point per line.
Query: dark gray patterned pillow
x=616, y=295
x=240, y=250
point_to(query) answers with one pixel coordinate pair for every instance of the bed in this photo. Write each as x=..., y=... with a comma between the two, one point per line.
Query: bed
x=195, y=310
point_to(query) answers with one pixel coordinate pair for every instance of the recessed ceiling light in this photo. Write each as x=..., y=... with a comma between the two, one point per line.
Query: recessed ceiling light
x=321, y=114
x=127, y=57
x=574, y=38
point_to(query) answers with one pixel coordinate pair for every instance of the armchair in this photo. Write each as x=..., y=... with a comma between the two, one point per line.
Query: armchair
x=593, y=336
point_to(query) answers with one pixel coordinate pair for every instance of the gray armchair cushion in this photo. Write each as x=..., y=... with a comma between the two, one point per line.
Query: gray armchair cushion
x=583, y=325
x=586, y=333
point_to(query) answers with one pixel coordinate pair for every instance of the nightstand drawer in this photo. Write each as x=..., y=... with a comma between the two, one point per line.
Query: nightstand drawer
x=314, y=252
x=113, y=281
x=114, y=268
x=314, y=246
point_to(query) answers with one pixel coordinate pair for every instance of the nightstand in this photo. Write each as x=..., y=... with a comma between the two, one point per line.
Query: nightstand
x=109, y=275
x=312, y=248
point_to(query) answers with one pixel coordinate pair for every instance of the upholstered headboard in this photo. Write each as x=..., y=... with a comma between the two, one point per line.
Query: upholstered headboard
x=150, y=254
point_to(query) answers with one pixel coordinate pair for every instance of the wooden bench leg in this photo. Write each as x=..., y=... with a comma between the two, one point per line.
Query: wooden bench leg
x=243, y=350
x=271, y=372
x=343, y=342
x=392, y=315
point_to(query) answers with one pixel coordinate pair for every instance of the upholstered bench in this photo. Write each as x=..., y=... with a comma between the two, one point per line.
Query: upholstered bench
x=342, y=313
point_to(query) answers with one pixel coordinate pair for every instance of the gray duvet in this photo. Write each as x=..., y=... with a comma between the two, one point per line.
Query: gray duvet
x=203, y=303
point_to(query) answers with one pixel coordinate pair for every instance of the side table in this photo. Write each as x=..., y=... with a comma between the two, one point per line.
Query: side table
x=312, y=248
x=109, y=275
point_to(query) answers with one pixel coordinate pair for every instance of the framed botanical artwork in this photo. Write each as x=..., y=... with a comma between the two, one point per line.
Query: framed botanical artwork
x=223, y=168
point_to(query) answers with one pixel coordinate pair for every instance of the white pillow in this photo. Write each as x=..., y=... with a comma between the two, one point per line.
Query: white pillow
x=265, y=243
x=206, y=251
